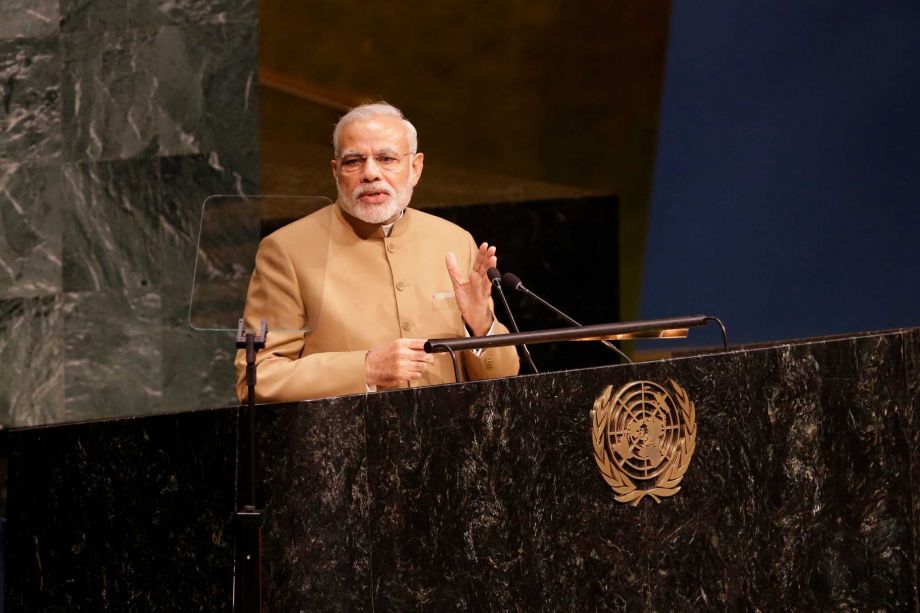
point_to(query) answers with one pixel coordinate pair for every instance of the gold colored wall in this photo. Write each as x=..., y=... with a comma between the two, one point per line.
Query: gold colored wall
x=512, y=100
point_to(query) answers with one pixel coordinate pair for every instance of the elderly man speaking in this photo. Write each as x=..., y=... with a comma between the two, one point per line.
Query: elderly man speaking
x=386, y=278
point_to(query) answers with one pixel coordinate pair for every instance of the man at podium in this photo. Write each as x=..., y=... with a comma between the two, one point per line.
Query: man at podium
x=374, y=278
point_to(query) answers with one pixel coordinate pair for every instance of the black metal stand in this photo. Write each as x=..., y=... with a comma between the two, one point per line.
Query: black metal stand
x=247, y=588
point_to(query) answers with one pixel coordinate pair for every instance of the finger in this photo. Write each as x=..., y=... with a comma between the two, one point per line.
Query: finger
x=479, y=262
x=417, y=355
x=486, y=260
x=414, y=367
x=452, y=268
x=417, y=360
x=491, y=259
x=414, y=343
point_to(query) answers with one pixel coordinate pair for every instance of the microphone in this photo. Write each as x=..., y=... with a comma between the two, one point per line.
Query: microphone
x=496, y=278
x=514, y=282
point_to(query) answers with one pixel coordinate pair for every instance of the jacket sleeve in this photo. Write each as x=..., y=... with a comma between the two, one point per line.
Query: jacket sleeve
x=283, y=373
x=493, y=362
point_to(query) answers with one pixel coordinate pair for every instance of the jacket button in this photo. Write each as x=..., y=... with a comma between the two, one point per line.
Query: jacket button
x=406, y=326
x=391, y=247
x=400, y=286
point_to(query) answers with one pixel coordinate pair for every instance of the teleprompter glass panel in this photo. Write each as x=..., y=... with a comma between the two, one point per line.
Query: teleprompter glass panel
x=231, y=232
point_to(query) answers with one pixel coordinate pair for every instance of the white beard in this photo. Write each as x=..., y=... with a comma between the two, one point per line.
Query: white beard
x=376, y=213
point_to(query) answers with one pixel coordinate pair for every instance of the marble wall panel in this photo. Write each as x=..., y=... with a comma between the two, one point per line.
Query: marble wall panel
x=486, y=497
x=583, y=547
x=108, y=15
x=109, y=94
x=198, y=12
x=123, y=515
x=207, y=84
x=539, y=529
x=31, y=360
x=187, y=182
x=30, y=230
x=316, y=547
x=30, y=100
x=112, y=232
x=912, y=374
x=719, y=512
x=92, y=96
x=113, y=354
x=838, y=482
x=197, y=364
x=102, y=15
x=29, y=18
x=878, y=495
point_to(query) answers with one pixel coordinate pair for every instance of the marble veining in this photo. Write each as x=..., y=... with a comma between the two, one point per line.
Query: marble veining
x=109, y=94
x=108, y=15
x=112, y=233
x=31, y=360
x=30, y=231
x=123, y=515
x=102, y=15
x=113, y=354
x=30, y=100
x=207, y=87
x=316, y=542
x=198, y=12
x=29, y=18
x=911, y=350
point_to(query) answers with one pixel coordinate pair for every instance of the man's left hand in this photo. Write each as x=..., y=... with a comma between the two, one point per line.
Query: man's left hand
x=473, y=292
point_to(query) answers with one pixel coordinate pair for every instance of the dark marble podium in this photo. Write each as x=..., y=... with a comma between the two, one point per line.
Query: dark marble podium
x=802, y=495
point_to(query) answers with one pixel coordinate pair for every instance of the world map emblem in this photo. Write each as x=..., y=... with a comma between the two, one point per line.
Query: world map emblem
x=643, y=437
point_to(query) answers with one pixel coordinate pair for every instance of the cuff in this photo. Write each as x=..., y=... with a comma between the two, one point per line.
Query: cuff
x=466, y=332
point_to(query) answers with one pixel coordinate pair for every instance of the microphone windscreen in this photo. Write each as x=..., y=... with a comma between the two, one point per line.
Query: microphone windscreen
x=509, y=279
x=494, y=275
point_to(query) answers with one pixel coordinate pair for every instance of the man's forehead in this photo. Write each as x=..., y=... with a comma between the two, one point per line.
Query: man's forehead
x=376, y=132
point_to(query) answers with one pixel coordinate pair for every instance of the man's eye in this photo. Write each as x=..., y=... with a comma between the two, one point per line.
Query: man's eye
x=351, y=162
x=387, y=159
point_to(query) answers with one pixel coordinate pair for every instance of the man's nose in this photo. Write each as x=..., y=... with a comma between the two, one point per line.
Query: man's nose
x=371, y=171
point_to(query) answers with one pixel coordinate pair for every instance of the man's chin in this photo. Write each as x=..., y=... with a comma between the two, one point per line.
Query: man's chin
x=373, y=213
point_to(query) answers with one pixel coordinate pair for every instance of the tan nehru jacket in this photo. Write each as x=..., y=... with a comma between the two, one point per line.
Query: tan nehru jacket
x=356, y=289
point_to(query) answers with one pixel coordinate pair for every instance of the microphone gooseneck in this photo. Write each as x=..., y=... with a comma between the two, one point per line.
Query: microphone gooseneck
x=496, y=278
x=514, y=282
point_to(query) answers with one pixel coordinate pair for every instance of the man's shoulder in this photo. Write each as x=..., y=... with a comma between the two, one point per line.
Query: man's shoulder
x=429, y=223
x=316, y=223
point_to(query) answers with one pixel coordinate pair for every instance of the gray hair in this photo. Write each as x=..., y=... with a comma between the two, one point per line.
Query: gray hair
x=374, y=109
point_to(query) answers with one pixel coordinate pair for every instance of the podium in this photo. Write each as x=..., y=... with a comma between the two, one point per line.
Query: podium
x=801, y=494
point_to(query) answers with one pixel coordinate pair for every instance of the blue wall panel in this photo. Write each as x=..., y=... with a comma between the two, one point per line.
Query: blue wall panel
x=787, y=178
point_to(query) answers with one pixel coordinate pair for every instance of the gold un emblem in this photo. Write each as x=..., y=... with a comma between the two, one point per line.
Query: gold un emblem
x=643, y=439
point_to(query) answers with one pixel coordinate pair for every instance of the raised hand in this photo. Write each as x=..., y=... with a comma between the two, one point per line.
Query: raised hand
x=473, y=291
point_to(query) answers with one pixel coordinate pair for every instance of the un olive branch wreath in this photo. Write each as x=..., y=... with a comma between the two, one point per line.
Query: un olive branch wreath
x=668, y=483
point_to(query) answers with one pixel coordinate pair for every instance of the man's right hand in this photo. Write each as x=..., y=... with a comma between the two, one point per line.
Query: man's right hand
x=392, y=364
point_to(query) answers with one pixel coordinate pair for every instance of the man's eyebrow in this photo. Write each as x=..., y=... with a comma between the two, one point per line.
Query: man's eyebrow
x=381, y=151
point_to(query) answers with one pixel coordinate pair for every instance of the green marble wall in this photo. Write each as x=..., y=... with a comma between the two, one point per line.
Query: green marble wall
x=116, y=120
